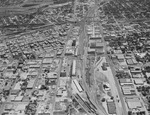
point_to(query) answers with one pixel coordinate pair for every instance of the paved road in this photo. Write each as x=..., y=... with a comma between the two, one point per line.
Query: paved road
x=114, y=83
x=121, y=109
x=116, y=91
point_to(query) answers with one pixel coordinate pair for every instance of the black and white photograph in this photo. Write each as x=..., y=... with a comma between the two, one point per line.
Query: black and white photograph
x=74, y=57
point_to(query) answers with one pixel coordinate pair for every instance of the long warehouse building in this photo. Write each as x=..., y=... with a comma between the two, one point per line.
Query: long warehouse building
x=73, y=68
x=78, y=86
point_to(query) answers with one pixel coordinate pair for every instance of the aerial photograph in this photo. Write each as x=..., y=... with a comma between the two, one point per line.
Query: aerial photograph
x=74, y=57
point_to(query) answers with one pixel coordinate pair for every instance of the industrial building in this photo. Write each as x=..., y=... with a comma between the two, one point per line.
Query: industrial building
x=133, y=102
x=78, y=86
x=128, y=89
x=111, y=107
x=31, y=83
x=91, y=51
x=73, y=72
x=96, y=44
x=125, y=81
x=138, y=81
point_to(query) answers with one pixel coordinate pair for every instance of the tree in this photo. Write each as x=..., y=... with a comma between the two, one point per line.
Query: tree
x=103, y=100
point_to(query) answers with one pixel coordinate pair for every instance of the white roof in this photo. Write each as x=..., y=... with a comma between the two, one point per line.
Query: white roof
x=134, y=103
x=18, y=85
x=62, y=82
x=141, y=54
x=69, y=42
x=47, y=60
x=137, y=75
x=31, y=62
x=33, y=73
x=19, y=98
x=127, y=89
x=59, y=92
x=91, y=50
x=23, y=75
x=31, y=83
x=34, y=66
x=68, y=50
x=148, y=74
x=52, y=75
x=120, y=56
x=9, y=106
x=47, y=55
x=12, y=97
x=56, y=61
x=138, y=81
x=41, y=92
x=117, y=51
